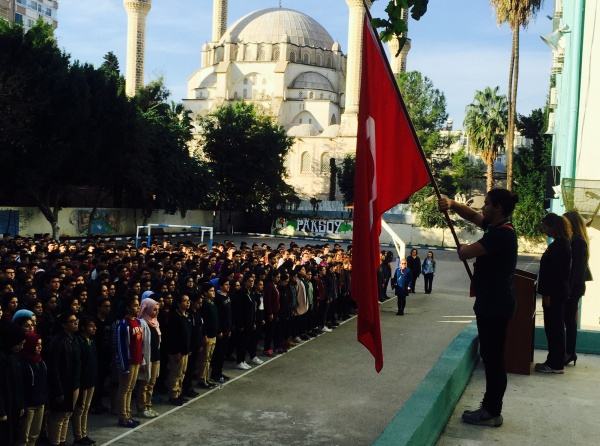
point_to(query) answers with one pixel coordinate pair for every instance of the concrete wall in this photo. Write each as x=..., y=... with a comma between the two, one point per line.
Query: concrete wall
x=73, y=221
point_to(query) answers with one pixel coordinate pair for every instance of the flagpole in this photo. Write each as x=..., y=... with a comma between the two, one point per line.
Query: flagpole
x=422, y=153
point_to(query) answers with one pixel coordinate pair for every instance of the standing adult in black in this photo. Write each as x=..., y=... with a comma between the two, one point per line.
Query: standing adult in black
x=12, y=403
x=496, y=254
x=580, y=273
x=553, y=285
x=413, y=262
x=223, y=303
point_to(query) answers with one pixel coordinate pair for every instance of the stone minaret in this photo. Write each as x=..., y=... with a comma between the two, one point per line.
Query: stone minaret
x=219, y=20
x=399, y=63
x=356, y=16
x=137, y=10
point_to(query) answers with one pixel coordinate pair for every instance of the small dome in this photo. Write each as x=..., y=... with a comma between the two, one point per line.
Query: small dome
x=313, y=81
x=303, y=130
x=331, y=131
x=269, y=25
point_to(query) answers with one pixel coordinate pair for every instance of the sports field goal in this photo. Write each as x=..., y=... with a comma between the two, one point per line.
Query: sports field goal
x=147, y=229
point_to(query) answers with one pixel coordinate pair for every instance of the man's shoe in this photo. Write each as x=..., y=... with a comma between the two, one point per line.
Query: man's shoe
x=149, y=413
x=136, y=422
x=326, y=329
x=481, y=417
x=542, y=367
x=242, y=366
x=400, y=313
x=176, y=401
x=205, y=385
x=127, y=423
x=225, y=377
x=256, y=360
x=191, y=393
x=268, y=353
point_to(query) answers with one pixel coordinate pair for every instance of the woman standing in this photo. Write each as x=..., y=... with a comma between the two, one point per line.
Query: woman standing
x=35, y=385
x=553, y=285
x=413, y=262
x=89, y=377
x=580, y=273
x=151, y=369
x=428, y=270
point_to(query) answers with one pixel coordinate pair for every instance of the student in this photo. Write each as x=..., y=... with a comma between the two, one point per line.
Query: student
x=243, y=308
x=428, y=270
x=178, y=348
x=64, y=376
x=103, y=341
x=196, y=345
x=223, y=303
x=210, y=316
x=402, y=281
x=131, y=337
x=35, y=386
x=12, y=339
x=151, y=369
x=413, y=262
x=271, y=300
x=89, y=376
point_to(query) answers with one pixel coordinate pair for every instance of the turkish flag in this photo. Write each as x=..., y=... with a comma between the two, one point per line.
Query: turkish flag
x=390, y=167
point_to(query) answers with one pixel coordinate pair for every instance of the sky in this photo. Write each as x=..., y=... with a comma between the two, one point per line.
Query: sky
x=457, y=43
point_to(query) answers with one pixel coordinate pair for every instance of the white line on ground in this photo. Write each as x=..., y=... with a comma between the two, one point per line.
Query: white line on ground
x=175, y=409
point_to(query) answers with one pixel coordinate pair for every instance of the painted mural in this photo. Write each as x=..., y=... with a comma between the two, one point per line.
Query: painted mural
x=105, y=222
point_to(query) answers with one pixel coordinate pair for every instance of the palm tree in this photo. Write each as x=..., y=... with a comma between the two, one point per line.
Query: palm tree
x=485, y=125
x=517, y=13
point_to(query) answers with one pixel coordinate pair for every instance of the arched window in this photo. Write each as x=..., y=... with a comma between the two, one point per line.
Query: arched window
x=333, y=120
x=275, y=56
x=325, y=162
x=292, y=56
x=261, y=53
x=236, y=96
x=234, y=52
x=321, y=95
x=306, y=58
x=319, y=60
x=219, y=52
x=305, y=163
x=311, y=95
x=328, y=63
x=245, y=93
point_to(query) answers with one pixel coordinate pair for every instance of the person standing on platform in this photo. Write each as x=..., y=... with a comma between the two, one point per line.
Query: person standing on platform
x=496, y=254
x=580, y=273
x=553, y=285
x=428, y=269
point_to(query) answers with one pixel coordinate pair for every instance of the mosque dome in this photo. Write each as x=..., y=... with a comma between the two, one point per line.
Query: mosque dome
x=269, y=25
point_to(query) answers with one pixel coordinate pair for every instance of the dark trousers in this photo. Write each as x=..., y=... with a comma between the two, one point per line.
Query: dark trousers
x=270, y=328
x=104, y=364
x=282, y=331
x=322, y=307
x=218, y=358
x=428, y=278
x=401, y=300
x=571, y=311
x=554, y=315
x=492, y=336
x=413, y=282
x=245, y=343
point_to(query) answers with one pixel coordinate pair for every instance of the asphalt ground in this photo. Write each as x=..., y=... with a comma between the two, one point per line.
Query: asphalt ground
x=323, y=392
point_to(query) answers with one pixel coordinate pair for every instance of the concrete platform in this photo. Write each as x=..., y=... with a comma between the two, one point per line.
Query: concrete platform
x=544, y=410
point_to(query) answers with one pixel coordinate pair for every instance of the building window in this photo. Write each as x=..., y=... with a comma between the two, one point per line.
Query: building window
x=22, y=2
x=245, y=93
x=333, y=120
x=319, y=60
x=328, y=62
x=311, y=95
x=49, y=12
x=321, y=95
x=306, y=59
x=310, y=120
x=18, y=18
x=236, y=96
x=261, y=53
x=292, y=56
x=305, y=163
x=275, y=55
x=325, y=162
x=300, y=121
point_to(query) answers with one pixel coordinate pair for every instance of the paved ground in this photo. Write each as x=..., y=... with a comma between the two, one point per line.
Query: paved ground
x=325, y=391
x=544, y=410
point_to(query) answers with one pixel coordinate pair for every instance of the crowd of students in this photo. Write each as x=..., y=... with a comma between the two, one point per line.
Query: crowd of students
x=97, y=327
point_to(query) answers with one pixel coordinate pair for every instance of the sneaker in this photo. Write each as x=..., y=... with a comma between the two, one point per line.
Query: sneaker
x=149, y=413
x=268, y=353
x=242, y=366
x=127, y=423
x=326, y=329
x=225, y=377
x=136, y=422
x=205, y=385
x=545, y=368
x=297, y=339
x=256, y=360
x=482, y=417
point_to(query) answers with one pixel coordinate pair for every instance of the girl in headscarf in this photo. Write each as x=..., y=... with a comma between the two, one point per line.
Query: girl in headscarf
x=35, y=389
x=150, y=370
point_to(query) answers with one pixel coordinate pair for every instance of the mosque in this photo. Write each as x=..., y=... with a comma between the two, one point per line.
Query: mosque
x=289, y=65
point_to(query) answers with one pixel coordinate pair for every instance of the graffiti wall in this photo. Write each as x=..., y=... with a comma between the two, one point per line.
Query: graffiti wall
x=106, y=221
x=314, y=227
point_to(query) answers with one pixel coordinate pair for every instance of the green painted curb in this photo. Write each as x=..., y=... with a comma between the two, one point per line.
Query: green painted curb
x=587, y=341
x=423, y=417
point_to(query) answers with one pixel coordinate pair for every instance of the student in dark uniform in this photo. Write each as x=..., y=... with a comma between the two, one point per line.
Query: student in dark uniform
x=223, y=303
x=413, y=261
x=496, y=254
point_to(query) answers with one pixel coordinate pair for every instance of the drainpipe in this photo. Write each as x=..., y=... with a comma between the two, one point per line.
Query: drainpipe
x=575, y=88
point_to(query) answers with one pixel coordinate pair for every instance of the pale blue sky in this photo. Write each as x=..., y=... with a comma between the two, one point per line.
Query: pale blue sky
x=457, y=43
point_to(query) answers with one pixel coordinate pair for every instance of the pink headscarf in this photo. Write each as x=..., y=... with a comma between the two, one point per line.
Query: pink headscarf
x=146, y=308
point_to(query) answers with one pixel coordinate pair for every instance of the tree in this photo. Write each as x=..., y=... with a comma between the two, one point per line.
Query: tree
x=485, y=125
x=517, y=13
x=426, y=107
x=346, y=178
x=333, y=169
x=394, y=25
x=530, y=173
x=245, y=152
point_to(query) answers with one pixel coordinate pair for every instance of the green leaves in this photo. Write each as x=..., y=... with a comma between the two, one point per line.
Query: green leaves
x=395, y=24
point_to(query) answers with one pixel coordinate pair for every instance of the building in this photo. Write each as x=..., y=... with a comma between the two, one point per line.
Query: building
x=289, y=65
x=137, y=11
x=573, y=123
x=27, y=12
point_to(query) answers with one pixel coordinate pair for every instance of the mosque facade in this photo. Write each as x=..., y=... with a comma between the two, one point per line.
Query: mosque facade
x=287, y=64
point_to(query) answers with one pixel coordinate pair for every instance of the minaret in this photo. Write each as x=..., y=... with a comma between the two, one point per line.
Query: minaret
x=356, y=16
x=219, y=21
x=399, y=63
x=137, y=10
